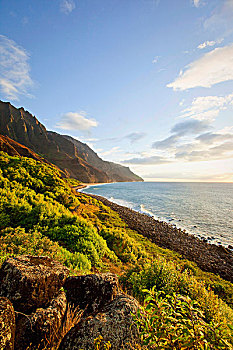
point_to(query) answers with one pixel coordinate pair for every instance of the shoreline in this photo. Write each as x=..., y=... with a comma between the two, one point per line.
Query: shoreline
x=85, y=185
x=209, y=257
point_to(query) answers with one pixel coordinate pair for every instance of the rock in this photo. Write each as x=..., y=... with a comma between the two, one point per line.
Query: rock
x=41, y=329
x=7, y=324
x=114, y=323
x=91, y=291
x=31, y=282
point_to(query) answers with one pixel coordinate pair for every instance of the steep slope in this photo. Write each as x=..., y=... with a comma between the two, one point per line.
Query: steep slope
x=14, y=148
x=115, y=171
x=77, y=160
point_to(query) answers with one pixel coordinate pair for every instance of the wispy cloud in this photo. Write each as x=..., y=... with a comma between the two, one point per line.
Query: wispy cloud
x=76, y=121
x=155, y=59
x=179, y=130
x=209, y=43
x=153, y=160
x=207, y=107
x=214, y=67
x=135, y=136
x=221, y=19
x=111, y=151
x=132, y=137
x=197, y=154
x=67, y=6
x=15, y=77
x=196, y=3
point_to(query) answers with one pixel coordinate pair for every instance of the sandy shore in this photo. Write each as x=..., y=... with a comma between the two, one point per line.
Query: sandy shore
x=84, y=185
x=209, y=257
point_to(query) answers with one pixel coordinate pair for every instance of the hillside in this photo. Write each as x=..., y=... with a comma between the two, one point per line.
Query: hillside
x=75, y=158
x=40, y=214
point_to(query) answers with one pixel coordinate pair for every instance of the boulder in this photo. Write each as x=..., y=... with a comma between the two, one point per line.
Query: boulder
x=31, y=282
x=114, y=323
x=7, y=324
x=91, y=292
x=43, y=328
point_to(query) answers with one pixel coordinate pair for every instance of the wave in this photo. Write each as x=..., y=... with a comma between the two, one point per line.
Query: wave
x=143, y=210
x=122, y=202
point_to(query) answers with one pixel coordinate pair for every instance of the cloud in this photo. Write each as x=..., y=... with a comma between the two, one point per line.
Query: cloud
x=155, y=59
x=190, y=127
x=111, y=151
x=167, y=143
x=132, y=137
x=135, y=136
x=209, y=43
x=153, y=160
x=221, y=18
x=203, y=147
x=222, y=151
x=67, y=6
x=214, y=67
x=179, y=130
x=15, y=77
x=210, y=138
x=76, y=121
x=207, y=107
x=196, y=3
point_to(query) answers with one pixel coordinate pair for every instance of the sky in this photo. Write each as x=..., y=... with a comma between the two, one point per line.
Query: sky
x=145, y=83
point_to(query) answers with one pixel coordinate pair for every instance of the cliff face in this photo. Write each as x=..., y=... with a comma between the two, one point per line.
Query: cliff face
x=14, y=148
x=115, y=172
x=75, y=158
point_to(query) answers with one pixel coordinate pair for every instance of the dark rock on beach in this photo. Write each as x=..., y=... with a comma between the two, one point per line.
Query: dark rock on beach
x=91, y=292
x=7, y=324
x=31, y=282
x=113, y=323
x=209, y=257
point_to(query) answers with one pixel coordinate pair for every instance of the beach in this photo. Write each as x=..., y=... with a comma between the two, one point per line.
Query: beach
x=209, y=257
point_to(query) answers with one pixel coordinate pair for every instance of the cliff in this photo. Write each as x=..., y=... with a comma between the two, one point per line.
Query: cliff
x=73, y=157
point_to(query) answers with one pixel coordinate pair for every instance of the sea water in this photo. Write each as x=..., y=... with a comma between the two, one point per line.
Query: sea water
x=203, y=209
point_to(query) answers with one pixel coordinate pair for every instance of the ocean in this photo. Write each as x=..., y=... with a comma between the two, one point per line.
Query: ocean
x=202, y=209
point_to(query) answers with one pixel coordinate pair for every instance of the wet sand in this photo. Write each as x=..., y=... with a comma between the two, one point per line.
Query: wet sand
x=209, y=257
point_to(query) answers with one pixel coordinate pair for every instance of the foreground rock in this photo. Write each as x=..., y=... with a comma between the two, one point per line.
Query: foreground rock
x=31, y=282
x=91, y=292
x=114, y=323
x=43, y=328
x=7, y=324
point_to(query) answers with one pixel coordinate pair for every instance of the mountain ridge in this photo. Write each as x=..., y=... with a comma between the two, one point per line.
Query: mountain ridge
x=73, y=157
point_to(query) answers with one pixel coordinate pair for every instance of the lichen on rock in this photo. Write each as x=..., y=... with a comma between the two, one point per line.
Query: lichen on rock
x=31, y=282
x=7, y=324
x=114, y=323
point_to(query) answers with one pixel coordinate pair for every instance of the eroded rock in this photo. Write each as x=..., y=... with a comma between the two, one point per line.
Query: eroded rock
x=31, y=282
x=114, y=323
x=91, y=292
x=43, y=328
x=7, y=324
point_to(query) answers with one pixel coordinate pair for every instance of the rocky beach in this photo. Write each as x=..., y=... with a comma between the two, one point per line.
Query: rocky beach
x=209, y=257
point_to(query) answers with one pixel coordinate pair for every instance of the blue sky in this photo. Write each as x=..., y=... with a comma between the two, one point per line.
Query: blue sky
x=146, y=83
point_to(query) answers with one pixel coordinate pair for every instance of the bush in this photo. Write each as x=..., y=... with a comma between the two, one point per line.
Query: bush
x=177, y=322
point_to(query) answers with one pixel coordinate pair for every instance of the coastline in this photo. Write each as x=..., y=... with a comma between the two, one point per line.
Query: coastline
x=209, y=257
x=85, y=185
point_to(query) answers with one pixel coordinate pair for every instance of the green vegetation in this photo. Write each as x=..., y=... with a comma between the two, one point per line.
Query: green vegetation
x=177, y=322
x=40, y=214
